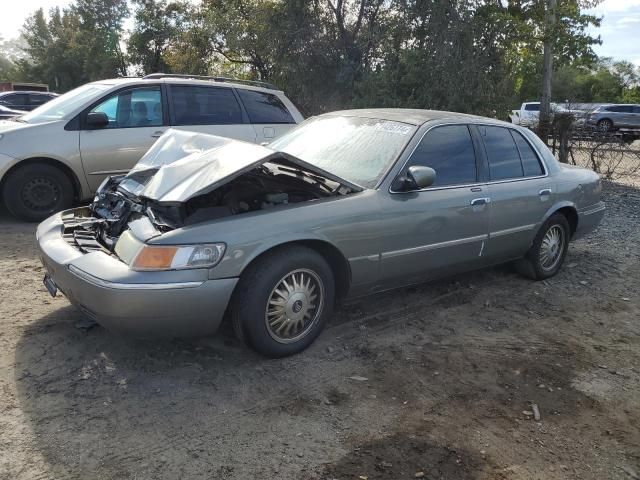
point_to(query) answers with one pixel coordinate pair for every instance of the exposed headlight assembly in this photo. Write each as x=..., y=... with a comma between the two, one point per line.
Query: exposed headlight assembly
x=178, y=257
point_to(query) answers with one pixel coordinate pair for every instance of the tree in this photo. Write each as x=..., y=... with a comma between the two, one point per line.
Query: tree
x=158, y=25
x=569, y=38
x=75, y=45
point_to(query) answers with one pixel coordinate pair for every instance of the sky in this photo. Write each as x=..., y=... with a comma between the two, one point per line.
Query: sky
x=620, y=29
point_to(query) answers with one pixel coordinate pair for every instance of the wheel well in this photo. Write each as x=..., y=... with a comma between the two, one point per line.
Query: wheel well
x=339, y=265
x=571, y=215
x=605, y=119
x=47, y=161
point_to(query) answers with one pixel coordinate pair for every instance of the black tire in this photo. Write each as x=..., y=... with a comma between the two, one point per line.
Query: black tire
x=605, y=125
x=532, y=264
x=35, y=191
x=257, y=286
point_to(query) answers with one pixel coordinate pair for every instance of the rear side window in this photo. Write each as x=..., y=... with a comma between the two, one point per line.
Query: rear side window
x=17, y=100
x=204, y=106
x=264, y=107
x=619, y=109
x=530, y=162
x=36, y=99
x=449, y=151
x=636, y=109
x=503, y=155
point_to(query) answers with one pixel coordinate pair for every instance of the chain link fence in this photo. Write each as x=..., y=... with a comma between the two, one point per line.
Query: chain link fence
x=613, y=154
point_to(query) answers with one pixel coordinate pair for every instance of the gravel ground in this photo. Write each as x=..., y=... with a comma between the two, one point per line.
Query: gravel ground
x=437, y=380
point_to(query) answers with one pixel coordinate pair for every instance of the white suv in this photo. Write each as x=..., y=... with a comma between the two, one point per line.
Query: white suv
x=63, y=150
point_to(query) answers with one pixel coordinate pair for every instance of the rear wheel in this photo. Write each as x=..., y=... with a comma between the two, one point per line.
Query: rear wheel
x=549, y=249
x=282, y=301
x=35, y=191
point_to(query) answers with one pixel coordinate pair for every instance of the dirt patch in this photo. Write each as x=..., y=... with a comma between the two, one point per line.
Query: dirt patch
x=439, y=378
x=407, y=456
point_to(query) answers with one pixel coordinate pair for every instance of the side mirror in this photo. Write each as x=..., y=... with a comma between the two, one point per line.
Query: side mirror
x=421, y=177
x=97, y=119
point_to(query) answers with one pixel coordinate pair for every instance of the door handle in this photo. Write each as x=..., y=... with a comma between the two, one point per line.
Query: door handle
x=544, y=191
x=157, y=134
x=480, y=201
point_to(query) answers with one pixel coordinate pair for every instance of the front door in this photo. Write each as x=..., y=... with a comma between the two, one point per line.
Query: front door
x=444, y=227
x=136, y=120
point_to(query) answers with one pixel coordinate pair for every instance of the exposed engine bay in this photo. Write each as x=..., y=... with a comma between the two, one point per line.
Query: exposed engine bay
x=267, y=186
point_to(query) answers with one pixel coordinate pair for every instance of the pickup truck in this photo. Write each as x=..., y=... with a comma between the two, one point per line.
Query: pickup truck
x=529, y=114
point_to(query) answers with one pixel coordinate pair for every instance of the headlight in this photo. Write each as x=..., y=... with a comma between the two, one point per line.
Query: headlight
x=151, y=257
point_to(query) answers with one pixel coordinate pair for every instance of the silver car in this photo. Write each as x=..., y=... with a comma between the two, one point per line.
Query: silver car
x=346, y=204
x=61, y=152
x=607, y=118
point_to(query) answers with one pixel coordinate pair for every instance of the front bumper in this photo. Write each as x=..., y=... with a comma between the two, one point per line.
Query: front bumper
x=172, y=303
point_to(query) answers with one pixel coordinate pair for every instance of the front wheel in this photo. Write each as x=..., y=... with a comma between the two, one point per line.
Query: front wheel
x=37, y=190
x=549, y=249
x=283, y=300
x=605, y=125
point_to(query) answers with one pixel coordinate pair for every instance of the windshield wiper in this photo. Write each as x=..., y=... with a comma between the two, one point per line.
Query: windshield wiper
x=321, y=181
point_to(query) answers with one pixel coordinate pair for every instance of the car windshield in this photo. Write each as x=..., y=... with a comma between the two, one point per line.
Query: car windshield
x=359, y=150
x=61, y=106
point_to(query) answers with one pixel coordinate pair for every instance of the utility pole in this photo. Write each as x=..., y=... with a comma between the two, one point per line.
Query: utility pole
x=544, y=125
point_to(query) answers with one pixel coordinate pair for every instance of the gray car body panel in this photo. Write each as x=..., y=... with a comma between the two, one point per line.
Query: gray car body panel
x=387, y=239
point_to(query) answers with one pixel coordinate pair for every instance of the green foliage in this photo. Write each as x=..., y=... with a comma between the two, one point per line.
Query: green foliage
x=602, y=82
x=75, y=45
x=158, y=24
x=480, y=56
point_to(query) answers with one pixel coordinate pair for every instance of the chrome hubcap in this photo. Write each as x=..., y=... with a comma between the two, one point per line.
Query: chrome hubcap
x=294, y=305
x=551, y=248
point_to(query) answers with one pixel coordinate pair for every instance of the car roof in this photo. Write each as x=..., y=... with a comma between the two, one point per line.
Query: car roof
x=619, y=105
x=27, y=91
x=413, y=116
x=125, y=81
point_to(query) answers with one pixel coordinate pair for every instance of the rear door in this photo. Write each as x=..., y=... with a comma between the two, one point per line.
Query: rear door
x=208, y=109
x=267, y=113
x=520, y=191
x=627, y=116
x=635, y=119
x=618, y=115
x=136, y=120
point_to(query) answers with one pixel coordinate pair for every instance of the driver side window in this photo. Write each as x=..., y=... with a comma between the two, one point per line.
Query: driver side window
x=449, y=151
x=140, y=107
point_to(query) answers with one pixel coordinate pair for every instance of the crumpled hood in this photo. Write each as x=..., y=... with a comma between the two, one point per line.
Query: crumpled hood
x=182, y=165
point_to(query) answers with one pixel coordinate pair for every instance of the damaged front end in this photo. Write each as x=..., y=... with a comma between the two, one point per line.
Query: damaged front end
x=189, y=178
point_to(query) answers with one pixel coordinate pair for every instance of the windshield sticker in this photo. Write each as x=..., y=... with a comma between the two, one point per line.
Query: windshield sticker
x=393, y=127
